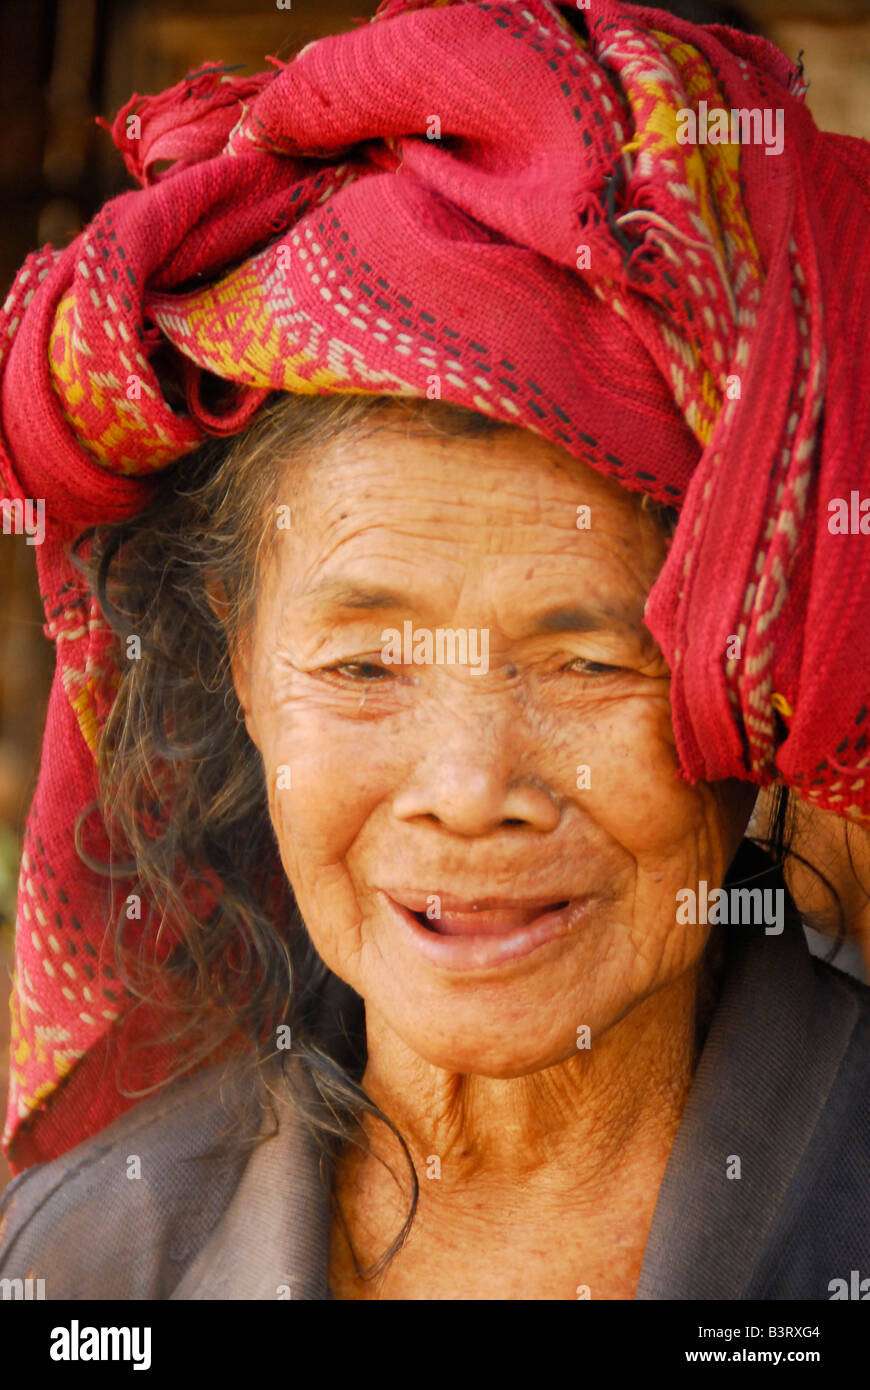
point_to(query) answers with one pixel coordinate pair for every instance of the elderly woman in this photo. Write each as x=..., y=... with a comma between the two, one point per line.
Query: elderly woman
x=388, y=926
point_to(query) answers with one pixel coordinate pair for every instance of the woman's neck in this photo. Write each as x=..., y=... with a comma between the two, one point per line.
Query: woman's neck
x=555, y=1173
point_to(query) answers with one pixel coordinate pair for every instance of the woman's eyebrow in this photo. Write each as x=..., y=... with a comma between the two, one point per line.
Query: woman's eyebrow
x=578, y=617
x=345, y=593
x=574, y=617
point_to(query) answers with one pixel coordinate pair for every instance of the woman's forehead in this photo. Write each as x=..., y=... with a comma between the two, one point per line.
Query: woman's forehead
x=509, y=471
x=397, y=522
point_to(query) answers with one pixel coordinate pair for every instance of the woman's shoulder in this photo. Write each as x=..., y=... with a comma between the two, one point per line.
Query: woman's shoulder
x=841, y=984
x=819, y=1242
x=765, y=1192
x=125, y=1213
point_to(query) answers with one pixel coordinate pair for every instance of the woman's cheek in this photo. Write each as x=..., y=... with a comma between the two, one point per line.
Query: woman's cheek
x=325, y=777
x=677, y=832
x=626, y=771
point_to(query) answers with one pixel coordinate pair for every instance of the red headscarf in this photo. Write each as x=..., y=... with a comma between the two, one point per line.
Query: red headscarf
x=473, y=193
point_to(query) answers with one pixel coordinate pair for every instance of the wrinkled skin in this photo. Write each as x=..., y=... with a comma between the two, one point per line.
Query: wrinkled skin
x=435, y=779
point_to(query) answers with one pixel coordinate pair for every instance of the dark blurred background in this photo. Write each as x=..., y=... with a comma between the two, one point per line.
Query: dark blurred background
x=64, y=61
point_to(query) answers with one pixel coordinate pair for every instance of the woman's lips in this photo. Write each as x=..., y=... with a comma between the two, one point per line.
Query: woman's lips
x=480, y=935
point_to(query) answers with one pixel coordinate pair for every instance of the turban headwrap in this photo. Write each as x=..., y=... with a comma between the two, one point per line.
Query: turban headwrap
x=486, y=196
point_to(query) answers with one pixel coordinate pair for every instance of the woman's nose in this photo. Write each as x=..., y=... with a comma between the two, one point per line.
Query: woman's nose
x=470, y=783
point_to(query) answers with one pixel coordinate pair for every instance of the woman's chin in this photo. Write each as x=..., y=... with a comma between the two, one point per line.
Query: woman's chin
x=481, y=1054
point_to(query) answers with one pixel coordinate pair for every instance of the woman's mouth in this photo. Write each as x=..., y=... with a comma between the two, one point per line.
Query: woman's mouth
x=478, y=934
x=481, y=919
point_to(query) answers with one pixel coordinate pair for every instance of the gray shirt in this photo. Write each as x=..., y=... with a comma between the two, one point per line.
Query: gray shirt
x=220, y=1211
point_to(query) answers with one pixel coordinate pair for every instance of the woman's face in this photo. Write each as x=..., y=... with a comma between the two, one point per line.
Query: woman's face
x=488, y=851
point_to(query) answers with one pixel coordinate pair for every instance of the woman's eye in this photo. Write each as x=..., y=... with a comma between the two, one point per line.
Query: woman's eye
x=581, y=667
x=360, y=671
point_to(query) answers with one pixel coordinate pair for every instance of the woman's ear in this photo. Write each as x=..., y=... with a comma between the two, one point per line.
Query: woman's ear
x=239, y=648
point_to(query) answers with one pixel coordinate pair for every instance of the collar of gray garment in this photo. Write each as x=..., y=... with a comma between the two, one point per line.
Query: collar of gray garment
x=770, y=1060
x=273, y=1239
